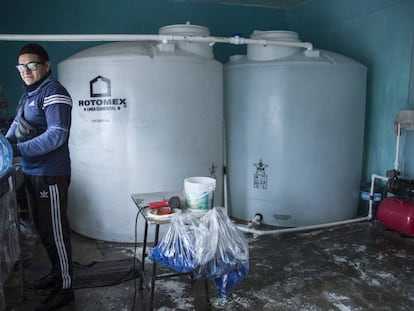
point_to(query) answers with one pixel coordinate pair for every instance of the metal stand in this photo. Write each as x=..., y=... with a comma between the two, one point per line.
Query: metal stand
x=141, y=201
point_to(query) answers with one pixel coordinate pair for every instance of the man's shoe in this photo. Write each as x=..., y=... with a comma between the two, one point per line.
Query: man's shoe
x=46, y=282
x=58, y=298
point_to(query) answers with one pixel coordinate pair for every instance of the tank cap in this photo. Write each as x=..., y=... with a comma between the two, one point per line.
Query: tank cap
x=271, y=52
x=199, y=48
x=278, y=35
x=184, y=30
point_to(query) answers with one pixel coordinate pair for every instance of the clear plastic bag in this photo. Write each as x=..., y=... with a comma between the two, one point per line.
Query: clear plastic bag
x=176, y=249
x=224, y=255
x=210, y=247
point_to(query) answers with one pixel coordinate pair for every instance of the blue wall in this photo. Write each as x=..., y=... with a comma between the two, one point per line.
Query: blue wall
x=118, y=17
x=377, y=33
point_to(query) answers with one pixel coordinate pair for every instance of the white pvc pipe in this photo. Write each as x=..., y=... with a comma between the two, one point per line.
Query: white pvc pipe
x=319, y=226
x=297, y=229
x=161, y=38
x=225, y=192
x=397, y=148
x=371, y=192
x=225, y=198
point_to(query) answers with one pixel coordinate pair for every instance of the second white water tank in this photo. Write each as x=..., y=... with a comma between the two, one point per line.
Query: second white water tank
x=146, y=115
x=295, y=132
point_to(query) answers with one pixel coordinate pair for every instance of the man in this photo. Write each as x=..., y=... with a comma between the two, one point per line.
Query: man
x=39, y=135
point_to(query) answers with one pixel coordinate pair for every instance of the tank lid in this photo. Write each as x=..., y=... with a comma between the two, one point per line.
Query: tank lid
x=199, y=48
x=279, y=35
x=271, y=52
x=184, y=30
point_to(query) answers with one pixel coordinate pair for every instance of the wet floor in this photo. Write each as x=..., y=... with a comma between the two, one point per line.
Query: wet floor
x=360, y=266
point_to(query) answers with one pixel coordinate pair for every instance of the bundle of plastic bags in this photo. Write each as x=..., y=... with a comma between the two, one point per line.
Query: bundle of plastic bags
x=210, y=247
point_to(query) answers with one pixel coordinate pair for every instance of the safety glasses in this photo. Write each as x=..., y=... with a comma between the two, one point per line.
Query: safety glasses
x=32, y=66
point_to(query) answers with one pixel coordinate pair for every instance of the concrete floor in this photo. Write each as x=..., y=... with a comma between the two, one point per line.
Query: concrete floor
x=359, y=266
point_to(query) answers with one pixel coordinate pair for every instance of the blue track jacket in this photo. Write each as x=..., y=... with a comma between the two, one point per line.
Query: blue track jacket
x=48, y=107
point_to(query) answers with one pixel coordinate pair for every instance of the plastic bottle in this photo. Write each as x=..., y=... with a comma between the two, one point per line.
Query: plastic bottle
x=6, y=154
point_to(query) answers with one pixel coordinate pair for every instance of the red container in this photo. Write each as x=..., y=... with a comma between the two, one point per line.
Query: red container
x=397, y=214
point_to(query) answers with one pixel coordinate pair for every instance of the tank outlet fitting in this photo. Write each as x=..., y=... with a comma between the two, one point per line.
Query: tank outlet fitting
x=256, y=220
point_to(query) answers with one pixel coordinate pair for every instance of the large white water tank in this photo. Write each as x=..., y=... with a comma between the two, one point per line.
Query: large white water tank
x=295, y=131
x=146, y=115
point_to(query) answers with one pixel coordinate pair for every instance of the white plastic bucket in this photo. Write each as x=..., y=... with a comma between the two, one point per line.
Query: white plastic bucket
x=199, y=193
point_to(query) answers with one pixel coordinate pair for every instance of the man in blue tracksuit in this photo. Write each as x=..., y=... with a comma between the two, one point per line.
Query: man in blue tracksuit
x=45, y=108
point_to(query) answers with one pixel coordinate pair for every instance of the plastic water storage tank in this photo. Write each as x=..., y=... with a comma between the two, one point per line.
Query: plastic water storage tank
x=146, y=115
x=295, y=130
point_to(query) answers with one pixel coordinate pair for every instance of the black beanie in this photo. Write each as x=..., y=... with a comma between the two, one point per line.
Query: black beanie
x=33, y=48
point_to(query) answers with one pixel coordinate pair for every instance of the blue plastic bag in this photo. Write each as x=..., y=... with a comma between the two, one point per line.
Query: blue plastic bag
x=228, y=281
x=6, y=155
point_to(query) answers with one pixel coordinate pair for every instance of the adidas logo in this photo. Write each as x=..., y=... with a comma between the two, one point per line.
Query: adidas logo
x=32, y=103
x=44, y=194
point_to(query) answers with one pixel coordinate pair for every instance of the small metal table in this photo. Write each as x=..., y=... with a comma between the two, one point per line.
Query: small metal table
x=142, y=200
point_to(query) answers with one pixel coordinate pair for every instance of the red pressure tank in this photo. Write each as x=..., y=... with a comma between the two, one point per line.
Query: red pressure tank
x=397, y=214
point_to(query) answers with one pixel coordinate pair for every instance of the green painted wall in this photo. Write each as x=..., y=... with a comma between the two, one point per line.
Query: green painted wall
x=379, y=34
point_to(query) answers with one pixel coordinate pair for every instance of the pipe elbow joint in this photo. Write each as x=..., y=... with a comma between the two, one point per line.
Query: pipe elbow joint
x=236, y=40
